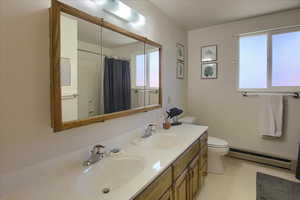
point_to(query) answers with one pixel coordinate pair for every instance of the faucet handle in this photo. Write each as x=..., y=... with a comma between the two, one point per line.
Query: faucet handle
x=97, y=148
x=152, y=125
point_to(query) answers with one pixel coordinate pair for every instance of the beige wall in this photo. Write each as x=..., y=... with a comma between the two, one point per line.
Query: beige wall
x=217, y=103
x=26, y=137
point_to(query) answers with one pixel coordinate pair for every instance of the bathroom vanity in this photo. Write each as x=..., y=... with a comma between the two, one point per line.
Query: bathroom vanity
x=183, y=179
x=170, y=164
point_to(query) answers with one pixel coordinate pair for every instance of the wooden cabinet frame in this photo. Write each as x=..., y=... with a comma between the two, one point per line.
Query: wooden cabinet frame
x=56, y=104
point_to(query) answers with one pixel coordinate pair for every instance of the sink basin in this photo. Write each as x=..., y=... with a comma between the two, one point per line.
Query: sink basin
x=108, y=175
x=163, y=141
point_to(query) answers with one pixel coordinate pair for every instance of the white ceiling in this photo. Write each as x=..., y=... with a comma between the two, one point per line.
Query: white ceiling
x=192, y=14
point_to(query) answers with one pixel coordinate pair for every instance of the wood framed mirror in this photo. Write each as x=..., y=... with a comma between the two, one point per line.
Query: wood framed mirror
x=99, y=71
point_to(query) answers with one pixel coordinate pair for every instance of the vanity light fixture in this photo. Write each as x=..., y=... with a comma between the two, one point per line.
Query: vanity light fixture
x=122, y=11
x=101, y=2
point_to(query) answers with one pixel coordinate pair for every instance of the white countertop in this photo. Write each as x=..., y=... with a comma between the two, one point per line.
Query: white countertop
x=64, y=184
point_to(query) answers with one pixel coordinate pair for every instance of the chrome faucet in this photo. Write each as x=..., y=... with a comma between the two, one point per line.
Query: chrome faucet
x=149, y=130
x=96, y=155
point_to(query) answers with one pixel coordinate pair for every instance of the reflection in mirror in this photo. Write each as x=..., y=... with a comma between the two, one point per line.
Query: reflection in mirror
x=124, y=71
x=80, y=68
x=65, y=71
x=152, y=55
x=103, y=71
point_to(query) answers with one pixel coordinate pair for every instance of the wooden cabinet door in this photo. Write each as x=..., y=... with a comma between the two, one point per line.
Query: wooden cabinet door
x=167, y=196
x=194, y=178
x=181, y=187
x=157, y=188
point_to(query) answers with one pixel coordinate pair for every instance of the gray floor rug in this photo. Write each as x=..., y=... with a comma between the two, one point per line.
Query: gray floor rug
x=274, y=188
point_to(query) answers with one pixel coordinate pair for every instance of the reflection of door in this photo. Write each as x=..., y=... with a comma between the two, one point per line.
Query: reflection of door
x=89, y=84
x=69, y=91
x=69, y=54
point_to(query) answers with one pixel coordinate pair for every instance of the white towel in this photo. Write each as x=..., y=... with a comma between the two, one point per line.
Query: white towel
x=271, y=116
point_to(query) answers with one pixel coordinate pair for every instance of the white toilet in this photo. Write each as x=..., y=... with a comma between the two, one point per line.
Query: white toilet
x=217, y=148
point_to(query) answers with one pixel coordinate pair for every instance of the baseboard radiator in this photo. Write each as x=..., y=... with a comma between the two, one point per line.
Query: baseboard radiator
x=261, y=158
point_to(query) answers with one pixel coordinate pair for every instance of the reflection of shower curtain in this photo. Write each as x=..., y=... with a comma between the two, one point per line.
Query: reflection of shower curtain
x=117, y=85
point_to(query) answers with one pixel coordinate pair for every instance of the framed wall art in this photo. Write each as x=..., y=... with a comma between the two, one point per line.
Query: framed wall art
x=180, y=52
x=209, y=70
x=180, y=70
x=209, y=53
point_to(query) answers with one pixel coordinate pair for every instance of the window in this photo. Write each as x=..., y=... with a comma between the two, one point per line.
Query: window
x=270, y=61
x=253, y=48
x=140, y=70
x=285, y=59
x=154, y=69
x=147, y=76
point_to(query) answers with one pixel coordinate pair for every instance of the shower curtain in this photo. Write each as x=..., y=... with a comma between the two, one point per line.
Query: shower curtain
x=117, y=85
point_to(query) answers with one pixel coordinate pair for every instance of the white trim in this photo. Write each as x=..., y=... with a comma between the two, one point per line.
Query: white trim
x=268, y=30
x=269, y=60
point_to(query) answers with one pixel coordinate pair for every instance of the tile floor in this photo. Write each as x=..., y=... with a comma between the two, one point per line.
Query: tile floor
x=239, y=180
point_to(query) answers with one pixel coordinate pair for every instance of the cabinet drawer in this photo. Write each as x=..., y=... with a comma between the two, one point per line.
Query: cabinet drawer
x=156, y=189
x=182, y=162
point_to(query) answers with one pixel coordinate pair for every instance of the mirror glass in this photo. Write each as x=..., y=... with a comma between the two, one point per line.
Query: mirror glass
x=152, y=55
x=80, y=48
x=103, y=71
x=89, y=70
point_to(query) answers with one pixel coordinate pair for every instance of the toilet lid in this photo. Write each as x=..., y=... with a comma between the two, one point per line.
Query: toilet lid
x=216, y=142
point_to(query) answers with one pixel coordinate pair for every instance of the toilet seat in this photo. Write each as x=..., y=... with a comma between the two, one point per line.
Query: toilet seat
x=214, y=142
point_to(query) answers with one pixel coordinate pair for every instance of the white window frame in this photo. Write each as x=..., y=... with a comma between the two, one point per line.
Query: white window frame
x=135, y=75
x=147, y=71
x=269, y=88
x=147, y=75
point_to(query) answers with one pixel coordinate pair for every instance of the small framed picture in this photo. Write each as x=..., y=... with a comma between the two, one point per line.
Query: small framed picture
x=180, y=70
x=209, y=53
x=180, y=52
x=209, y=71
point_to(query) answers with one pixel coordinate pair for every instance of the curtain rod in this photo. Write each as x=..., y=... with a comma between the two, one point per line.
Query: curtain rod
x=92, y=52
x=294, y=94
x=99, y=54
x=267, y=30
